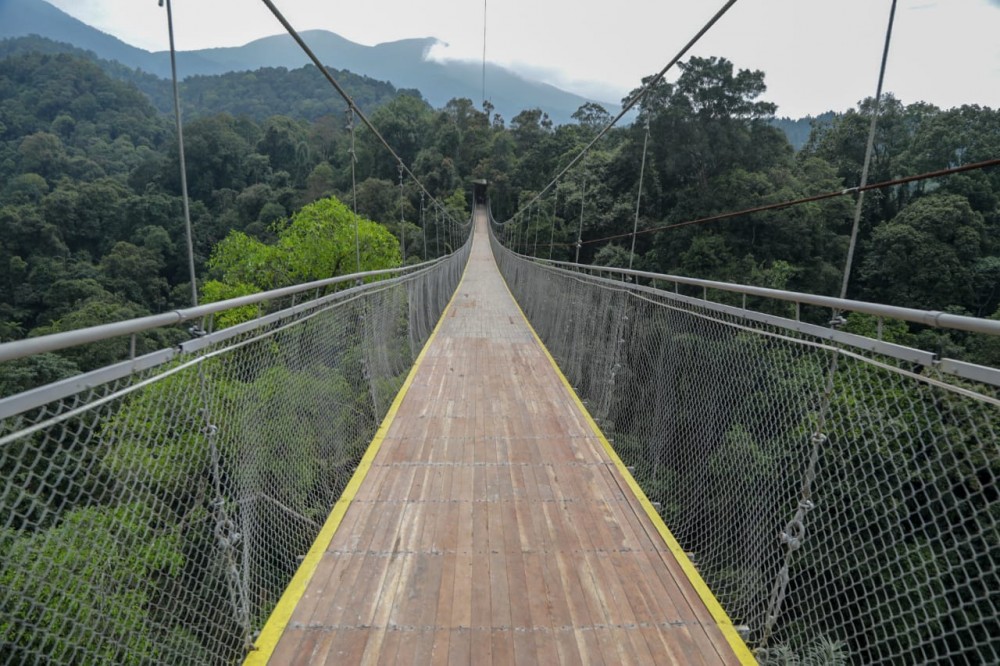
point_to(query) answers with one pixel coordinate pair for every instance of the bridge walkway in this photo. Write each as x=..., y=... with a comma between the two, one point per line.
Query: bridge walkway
x=491, y=523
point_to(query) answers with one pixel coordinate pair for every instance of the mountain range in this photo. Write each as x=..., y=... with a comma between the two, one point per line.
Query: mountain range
x=403, y=63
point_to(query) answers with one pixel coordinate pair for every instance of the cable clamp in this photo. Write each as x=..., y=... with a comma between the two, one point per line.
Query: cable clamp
x=793, y=535
x=226, y=533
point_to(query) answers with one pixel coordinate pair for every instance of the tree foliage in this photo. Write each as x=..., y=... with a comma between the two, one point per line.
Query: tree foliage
x=92, y=231
x=318, y=242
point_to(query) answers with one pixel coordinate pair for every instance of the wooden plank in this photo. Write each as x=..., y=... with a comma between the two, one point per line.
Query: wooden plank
x=418, y=594
x=345, y=646
x=440, y=651
x=418, y=647
x=460, y=646
x=501, y=646
x=492, y=527
x=388, y=652
x=290, y=648
x=461, y=607
x=481, y=645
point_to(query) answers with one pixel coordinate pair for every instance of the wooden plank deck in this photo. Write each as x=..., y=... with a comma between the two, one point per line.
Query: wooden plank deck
x=493, y=526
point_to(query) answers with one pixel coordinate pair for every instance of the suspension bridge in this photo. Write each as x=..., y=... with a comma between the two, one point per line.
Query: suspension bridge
x=495, y=523
x=392, y=467
x=491, y=457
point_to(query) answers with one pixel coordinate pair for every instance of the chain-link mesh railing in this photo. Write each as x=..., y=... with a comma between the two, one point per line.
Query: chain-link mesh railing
x=838, y=494
x=156, y=517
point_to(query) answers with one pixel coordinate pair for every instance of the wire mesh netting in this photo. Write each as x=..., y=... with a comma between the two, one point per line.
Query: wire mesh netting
x=157, y=518
x=841, y=504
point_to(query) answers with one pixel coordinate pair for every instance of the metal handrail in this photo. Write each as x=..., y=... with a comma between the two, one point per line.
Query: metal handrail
x=47, y=343
x=934, y=318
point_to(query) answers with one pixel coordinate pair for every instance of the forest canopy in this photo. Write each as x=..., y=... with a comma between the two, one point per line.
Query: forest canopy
x=92, y=231
x=91, y=215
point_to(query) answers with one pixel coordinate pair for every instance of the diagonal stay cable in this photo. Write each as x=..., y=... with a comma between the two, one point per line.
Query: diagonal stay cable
x=350, y=102
x=628, y=105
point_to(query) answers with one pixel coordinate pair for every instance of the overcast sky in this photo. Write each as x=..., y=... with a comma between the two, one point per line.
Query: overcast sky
x=817, y=54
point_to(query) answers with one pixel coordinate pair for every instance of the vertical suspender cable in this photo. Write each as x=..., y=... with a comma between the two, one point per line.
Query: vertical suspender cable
x=638, y=196
x=794, y=535
x=225, y=531
x=402, y=222
x=354, y=187
x=534, y=251
x=484, y=55
x=868, y=155
x=579, y=235
x=552, y=223
x=423, y=227
x=180, y=153
x=447, y=235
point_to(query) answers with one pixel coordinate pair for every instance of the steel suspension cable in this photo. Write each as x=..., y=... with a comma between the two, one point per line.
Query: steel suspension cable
x=225, y=532
x=402, y=222
x=552, y=223
x=868, y=155
x=423, y=227
x=354, y=188
x=638, y=196
x=579, y=235
x=794, y=534
x=347, y=98
x=810, y=199
x=484, y=55
x=632, y=101
x=180, y=152
x=534, y=251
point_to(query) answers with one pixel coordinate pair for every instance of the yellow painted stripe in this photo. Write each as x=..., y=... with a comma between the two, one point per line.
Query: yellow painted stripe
x=282, y=613
x=722, y=620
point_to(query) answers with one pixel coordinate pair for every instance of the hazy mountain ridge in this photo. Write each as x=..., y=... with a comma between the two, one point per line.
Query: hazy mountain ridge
x=268, y=91
x=401, y=62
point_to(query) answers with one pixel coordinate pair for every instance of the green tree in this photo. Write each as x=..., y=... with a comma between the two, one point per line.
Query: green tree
x=134, y=273
x=100, y=565
x=216, y=154
x=26, y=188
x=107, y=309
x=924, y=257
x=43, y=153
x=593, y=116
x=404, y=123
x=317, y=242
